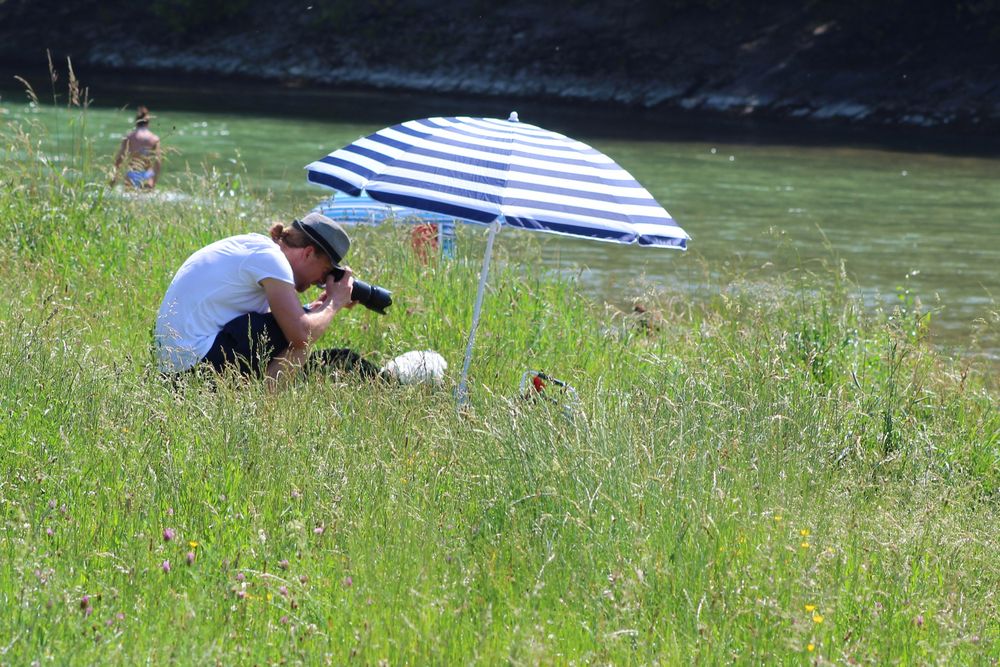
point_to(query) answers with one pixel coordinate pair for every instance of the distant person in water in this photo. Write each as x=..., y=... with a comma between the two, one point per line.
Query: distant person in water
x=140, y=151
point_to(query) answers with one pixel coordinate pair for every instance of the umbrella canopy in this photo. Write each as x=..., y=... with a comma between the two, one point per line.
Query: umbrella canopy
x=492, y=171
x=485, y=169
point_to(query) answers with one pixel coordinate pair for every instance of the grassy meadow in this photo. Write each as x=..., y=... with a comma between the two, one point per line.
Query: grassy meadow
x=767, y=476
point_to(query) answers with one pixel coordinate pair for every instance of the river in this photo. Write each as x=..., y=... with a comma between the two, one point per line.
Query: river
x=902, y=213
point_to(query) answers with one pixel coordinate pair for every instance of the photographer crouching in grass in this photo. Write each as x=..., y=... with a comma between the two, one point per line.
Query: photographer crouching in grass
x=235, y=304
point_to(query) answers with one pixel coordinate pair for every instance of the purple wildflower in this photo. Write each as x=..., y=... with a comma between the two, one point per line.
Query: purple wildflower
x=84, y=602
x=166, y=566
x=240, y=576
x=190, y=558
x=283, y=564
x=168, y=534
x=241, y=594
x=318, y=530
x=284, y=620
x=49, y=532
x=283, y=590
x=348, y=581
x=52, y=504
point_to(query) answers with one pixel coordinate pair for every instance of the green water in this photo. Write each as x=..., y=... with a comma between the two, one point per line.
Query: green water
x=899, y=219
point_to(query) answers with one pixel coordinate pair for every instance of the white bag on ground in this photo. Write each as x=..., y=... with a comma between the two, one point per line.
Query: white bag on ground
x=417, y=367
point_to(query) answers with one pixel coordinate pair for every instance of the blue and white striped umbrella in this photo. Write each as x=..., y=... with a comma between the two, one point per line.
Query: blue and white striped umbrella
x=491, y=171
x=486, y=169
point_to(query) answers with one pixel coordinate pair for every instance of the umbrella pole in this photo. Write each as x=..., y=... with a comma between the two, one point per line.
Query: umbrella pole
x=462, y=394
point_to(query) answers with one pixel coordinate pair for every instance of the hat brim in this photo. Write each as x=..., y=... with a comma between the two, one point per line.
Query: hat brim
x=321, y=242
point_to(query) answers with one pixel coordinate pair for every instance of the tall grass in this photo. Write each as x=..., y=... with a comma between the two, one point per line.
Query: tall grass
x=769, y=476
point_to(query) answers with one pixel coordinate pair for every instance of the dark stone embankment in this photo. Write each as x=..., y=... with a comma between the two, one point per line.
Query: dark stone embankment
x=897, y=65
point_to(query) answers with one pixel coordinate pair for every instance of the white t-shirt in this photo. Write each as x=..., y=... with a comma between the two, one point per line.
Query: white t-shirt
x=215, y=285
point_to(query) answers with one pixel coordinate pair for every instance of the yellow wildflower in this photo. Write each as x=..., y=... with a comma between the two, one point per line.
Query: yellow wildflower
x=817, y=618
x=810, y=648
x=778, y=518
x=805, y=545
x=193, y=544
x=804, y=532
x=810, y=608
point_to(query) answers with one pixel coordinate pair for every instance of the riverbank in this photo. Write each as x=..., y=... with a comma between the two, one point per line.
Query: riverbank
x=768, y=474
x=760, y=201
x=819, y=64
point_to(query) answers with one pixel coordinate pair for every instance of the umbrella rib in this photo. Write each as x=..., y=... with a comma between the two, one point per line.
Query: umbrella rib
x=506, y=186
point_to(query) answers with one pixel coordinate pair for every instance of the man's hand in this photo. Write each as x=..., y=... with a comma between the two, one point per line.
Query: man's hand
x=338, y=292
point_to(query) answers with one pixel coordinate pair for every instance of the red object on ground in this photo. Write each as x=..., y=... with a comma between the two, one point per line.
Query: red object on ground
x=424, y=237
x=537, y=383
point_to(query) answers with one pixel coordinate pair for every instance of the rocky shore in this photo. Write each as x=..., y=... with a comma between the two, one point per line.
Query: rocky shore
x=789, y=60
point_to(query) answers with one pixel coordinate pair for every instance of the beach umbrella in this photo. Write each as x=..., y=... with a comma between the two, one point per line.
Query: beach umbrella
x=497, y=172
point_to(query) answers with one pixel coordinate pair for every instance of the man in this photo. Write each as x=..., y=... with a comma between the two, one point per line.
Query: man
x=235, y=303
x=140, y=149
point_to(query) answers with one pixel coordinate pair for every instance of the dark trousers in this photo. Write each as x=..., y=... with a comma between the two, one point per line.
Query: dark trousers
x=250, y=341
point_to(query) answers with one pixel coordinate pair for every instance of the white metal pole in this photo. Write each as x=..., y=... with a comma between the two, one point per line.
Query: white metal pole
x=462, y=394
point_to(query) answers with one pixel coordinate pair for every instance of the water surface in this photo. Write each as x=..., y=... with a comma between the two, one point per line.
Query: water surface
x=898, y=218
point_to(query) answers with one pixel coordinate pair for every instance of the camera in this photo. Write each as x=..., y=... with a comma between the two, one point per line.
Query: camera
x=372, y=297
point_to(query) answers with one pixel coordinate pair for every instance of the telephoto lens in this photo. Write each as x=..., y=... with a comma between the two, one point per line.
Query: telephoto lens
x=371, y=297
